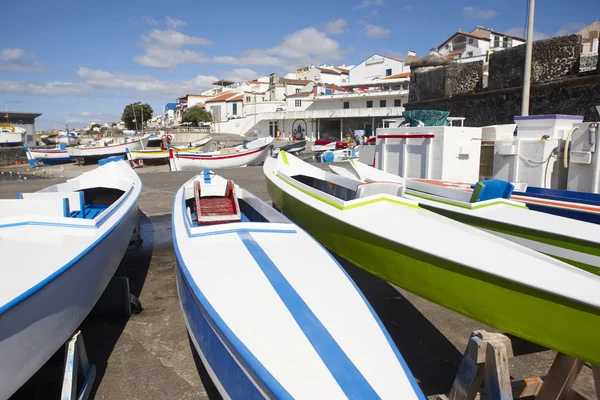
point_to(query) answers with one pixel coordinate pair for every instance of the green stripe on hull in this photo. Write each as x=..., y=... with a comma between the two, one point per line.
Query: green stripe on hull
x=531, y=234
x=543, y=318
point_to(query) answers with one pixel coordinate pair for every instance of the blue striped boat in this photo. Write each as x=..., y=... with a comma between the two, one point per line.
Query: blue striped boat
x=270, y=312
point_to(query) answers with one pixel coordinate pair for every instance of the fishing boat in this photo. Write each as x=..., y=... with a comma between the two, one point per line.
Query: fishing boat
x=267, y=325
x=490, y=279
x=163, y=155
x=11, y=135
x=60, y=248
x=251, y=152
x=67, y=138
x=292, y=148
x=92, y=152
x=572, y=241
x=48, y=156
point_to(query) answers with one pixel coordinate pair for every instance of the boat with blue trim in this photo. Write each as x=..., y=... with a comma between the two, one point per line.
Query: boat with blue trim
x=267, y=325
x=48, y=156
x=60, y=246
x=490, y=279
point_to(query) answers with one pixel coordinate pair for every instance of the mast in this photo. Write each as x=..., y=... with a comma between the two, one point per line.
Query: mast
x=528, y=56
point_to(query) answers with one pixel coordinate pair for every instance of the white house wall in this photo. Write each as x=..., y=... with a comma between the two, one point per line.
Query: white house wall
x=375, y=67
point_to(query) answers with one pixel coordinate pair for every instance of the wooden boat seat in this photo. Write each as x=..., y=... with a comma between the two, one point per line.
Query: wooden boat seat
x=216, y=209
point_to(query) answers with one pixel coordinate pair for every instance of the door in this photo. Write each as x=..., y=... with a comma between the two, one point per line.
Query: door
x=368, y=129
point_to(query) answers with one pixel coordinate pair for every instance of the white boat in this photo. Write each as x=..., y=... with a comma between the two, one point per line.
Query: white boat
x=57, y=155
x=11, y=135
x=248, y=153
x=60, y=247
x=490, y=279
x=323, y=147
x=572, y=241
x=160, y=154
x=339, y=155
x=267, y=324
x=100, y=149
x=292, y=148
x=67, y=138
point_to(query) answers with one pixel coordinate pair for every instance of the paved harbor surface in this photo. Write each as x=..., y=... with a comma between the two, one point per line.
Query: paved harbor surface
x=149, y=355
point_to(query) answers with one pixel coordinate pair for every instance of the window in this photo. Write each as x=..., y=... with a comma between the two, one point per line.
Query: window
x=247, y=99
x=346, y=104
x=469, y=54
x=297, y=90
x=234, y=108
x=381, y=103
x=298, y=103
x=397, y=103
x=370, y=104
x=388, y=72
x=263, y=99
x=497, y=40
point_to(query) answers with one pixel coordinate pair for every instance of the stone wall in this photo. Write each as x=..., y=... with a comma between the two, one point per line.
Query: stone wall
x=444, y=81
x=8, y=155
x=576, y=96
x=588, y=62
x=553, y=59
x=463, y=78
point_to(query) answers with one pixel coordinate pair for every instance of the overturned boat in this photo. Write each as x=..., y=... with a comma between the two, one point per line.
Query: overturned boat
x=248, y=153
x=60, y=246
x=267, y=325
x=495, y=281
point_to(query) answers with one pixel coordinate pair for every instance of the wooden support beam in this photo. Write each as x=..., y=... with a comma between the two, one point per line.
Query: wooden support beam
x=596, y=374
x=560, y=380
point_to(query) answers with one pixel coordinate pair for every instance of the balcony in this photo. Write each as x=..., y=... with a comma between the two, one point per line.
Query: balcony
x=459, y=45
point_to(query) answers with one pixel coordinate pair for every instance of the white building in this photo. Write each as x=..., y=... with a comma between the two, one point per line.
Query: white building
x=280, y=88
x=377, y=67
x=589, y=37
x=476, y=45
x=189, y=100
x=330, y=75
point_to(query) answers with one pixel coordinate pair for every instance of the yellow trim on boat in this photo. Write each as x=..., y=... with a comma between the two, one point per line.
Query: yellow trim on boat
x=350, y=206
x=469, y=206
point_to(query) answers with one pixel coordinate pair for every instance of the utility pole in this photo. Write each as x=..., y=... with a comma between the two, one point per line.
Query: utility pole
x=528, y=56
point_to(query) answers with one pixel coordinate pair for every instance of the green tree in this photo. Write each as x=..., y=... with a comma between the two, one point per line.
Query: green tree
x=103, y=129
x=95, y=126
x=133, y=113
x=196, y=115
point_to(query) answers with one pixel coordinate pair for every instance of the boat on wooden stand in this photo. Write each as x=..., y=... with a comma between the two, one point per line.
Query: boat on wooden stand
x=267, y=325
x=60, y=246
x=495, y=281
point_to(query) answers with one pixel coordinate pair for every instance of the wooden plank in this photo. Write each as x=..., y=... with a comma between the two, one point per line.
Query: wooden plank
x=497, y=373
x=560, y=380
x=470, y=371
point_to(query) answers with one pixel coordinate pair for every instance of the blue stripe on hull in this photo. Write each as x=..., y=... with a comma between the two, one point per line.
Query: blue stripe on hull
x=228, y=372
x=53, y=161
x=561, y=212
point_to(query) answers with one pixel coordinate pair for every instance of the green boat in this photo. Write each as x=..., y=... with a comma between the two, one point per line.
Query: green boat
x=492, y=280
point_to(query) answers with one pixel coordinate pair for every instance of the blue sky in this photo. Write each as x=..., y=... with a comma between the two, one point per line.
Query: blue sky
x=86, y=60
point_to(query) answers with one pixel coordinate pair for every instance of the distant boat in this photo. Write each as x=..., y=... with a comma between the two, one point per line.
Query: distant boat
x=487, y=278
x=11, y=135
x=338, y=155
x=292, y=148
x=156, y=154
x=58, y=155
x=63, y=137
x=60, y=247
x=100, y=149
x=248, y=153
x=269, y=324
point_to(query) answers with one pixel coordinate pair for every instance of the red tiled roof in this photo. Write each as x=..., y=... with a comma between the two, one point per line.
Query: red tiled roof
x=397, y=76
x=328, y=71
x=258, y=83
x=344, y=71
x=298, y=82
x=463, y=33
x=239, y=97
x=395, y=58
x=222, y=97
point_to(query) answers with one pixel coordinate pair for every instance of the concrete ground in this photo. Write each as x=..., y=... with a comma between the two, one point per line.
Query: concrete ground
x=149, y=355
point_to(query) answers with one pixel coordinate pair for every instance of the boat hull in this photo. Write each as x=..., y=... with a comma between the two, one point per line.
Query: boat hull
x=49, y=157
x=90, y=154
x=189, y=161
x=11, y=139
x=512, y=307
x=33, y=330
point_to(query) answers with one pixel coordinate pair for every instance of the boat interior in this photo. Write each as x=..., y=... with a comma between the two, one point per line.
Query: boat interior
x=84, y=204
x=347, y=189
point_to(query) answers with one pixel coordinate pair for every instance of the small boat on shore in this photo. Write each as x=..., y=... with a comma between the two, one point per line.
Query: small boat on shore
x=101, y=149
x=60, y=248
x=575, y=242
x=48, y=156
x=490, y=279
x=163, y=155
x=252, y=152
x=267, y=325
x=67, y=138
x=11, y=135
x=292, y=148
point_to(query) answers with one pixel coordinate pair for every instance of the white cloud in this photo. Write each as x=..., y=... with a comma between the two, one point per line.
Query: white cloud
x=162, y=49
x=174, y=23
x=303, y=47
x=14, y=59
x=368, y=3
x=240, y=74
x=144, y=83
x=45, y=88
x=337, y=26
x=376, y=32
x=478, y=13
x=149, y=20
x=569, y=28
x=518, y=32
